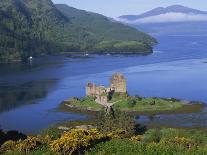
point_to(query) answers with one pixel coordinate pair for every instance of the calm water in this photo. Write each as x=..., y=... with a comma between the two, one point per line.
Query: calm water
x=29, y=93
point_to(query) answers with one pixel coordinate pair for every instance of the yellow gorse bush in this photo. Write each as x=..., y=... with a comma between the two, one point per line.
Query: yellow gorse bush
x=69, y=142
x=119, y=133
x=25, y=146
x=77, y=139
x=8, y=146
x=31, y=143
x=136, y=138
x=28, y=144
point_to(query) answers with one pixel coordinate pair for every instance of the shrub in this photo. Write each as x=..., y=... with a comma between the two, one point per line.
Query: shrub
x=181, y=141
x=138, y=97
x=131, y=101
x=115, y=120
x=152, y=135
x=136, y=138
x=31, y=143
x=25, y=146
x=116, y=134
x=11, y=135
x=76, y=140
x=8, y=146
x=52, y=132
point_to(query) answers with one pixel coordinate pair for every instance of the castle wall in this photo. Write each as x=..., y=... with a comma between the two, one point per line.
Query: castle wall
x=93, y=90
x=118, y=82
x=90, y=89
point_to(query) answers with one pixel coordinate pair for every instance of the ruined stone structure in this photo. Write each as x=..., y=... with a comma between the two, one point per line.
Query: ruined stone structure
x=117, y=84
x=93, y=90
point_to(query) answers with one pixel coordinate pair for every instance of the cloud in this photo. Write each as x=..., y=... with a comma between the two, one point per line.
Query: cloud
x=168, y=17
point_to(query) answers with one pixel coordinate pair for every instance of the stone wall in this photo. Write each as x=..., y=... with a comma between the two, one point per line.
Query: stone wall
x=93, y=90
x=118, y=82
x=102, y=99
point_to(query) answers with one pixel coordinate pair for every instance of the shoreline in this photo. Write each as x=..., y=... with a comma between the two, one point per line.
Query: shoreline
x=91, y=115
x=187, y=108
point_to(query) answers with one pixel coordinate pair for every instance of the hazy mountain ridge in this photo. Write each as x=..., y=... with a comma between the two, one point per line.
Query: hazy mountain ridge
x=161, y=10
x=37, y=27
x=174, y=19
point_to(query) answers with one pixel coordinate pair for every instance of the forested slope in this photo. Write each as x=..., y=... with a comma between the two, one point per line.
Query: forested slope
x=37, y=27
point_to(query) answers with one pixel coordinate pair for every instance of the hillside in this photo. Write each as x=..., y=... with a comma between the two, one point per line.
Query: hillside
x=101, y=26
x=34, y=27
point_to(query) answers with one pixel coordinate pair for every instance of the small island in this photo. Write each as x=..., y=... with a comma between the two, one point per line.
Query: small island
x=115, y=96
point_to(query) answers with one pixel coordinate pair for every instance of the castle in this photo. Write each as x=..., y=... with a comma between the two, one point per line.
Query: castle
x=117, y=85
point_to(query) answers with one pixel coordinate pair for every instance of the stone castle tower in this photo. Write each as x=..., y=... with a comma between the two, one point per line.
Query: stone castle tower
x=118, y=83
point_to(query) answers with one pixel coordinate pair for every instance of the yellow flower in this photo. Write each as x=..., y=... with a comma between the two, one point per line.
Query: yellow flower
x=76, y=139
x=136, y=138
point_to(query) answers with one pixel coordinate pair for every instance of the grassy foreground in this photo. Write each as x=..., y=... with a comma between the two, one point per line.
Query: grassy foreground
x=162, y=142
x=92, y=142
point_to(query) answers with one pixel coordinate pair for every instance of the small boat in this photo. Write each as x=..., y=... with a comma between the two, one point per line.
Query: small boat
x=30, y=58
x=86, y=53
x=108, y=54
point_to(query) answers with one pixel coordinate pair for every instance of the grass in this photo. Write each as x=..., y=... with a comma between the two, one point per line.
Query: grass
x=86, y=103
x=138, y=104
x=162, y=142
x=133, y=104
x=35, y=152
x=147, y=104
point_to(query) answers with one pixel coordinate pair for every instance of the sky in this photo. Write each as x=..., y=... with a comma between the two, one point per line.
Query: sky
x=115, y=8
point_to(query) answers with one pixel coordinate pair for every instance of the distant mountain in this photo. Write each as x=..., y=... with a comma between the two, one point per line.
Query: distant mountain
x=38, y=27
x=164, y=20
x=174, y=13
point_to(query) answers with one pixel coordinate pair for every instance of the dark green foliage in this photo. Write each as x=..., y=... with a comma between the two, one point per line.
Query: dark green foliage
x=131, y=101
x=11, y=135
x=110, y=36
x=34, y=27
x=153, y=135
x=122, y=47
x=117, y=147
x=115, y=120
x=52, y=132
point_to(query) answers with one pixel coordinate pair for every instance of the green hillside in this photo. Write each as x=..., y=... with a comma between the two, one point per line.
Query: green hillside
x=111, y=36
x=37, y=27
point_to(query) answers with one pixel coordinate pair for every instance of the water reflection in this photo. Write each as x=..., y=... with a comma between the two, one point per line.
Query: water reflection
x=13, y=96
